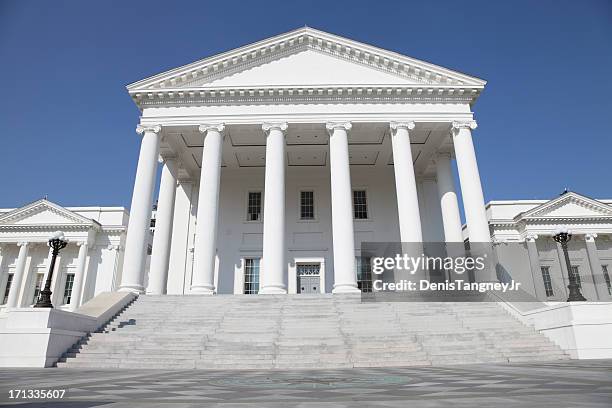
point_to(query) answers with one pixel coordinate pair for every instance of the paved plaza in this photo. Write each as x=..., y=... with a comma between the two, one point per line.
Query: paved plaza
x=558, y=384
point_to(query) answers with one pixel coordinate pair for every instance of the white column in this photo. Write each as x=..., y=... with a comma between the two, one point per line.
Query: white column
x=274, y=266
x=203, y=281
x=405, y=183
x=158, y=274
x=140, y=211
x=2, y=259
x=343, y=237
x=469, y=177
x=451, y=218
x=79, y=276
x=13, y=298
x=534, y=263
x=599, y=282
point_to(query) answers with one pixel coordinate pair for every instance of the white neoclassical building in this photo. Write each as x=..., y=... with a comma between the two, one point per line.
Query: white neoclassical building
x=281, y=157
x=522, y=231
x=89, y=265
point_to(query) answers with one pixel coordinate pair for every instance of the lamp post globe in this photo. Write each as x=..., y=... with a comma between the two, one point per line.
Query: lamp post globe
x=563, y=235
x=57, y=242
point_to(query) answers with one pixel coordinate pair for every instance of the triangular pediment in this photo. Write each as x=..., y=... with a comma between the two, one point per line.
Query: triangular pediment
x=569, y=205
x=304, y=57
x=44, y=213
x=306, y=68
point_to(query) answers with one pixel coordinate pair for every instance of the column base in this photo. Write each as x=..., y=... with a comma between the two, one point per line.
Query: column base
x=138, y=289
x=273, y=290
x=202, y=290
x=346, y=288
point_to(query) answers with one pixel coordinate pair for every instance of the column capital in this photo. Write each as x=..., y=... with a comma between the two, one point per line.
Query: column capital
x=82, y=243
x=268, y=126
x=590, y=237
x=464, y=124
x=114, y=248
x=330, y=126
x=23, y=243
x=394, y=126
x=206, y=127
x=140, y=129
x=531, y=237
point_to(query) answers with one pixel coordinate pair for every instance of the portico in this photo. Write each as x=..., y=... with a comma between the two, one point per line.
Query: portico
x=301, y=146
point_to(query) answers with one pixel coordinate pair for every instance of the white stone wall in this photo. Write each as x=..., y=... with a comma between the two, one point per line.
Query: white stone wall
x=238, y=238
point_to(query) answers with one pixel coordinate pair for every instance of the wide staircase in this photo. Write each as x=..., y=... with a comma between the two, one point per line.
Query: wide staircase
x=306, y=331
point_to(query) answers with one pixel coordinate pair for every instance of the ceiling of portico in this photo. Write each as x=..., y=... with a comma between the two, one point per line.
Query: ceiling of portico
x=307, y=144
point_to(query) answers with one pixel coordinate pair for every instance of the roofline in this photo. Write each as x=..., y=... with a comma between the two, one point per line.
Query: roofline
x=306, y=30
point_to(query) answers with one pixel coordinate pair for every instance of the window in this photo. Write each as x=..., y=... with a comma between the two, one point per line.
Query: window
x=604, y=270
x=68, y=288
x=38, y=285
x=576, y=274
x=7, y=288
x=251, y=276
x=254, y=206
x=547, y=282
x=364, y=273
x=360, y=205
x=307, y=205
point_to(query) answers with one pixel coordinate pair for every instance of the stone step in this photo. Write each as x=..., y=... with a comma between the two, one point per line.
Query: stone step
x=296, y=331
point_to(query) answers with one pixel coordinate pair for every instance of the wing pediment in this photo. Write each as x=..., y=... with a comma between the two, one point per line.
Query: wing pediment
x=569, y=205
x=43, y=213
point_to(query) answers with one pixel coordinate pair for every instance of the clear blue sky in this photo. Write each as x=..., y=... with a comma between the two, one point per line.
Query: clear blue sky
x=67, y=122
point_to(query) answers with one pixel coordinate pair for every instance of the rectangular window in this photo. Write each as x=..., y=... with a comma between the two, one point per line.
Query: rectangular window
x=68, y=288
x=364, y=273
x=547, y=282
x=604, y=270
x=307, y=205
x=251, y=276
x=38, y=286
x=576, y=274
x=360, y=205
x=7, y=288
x=254, y=206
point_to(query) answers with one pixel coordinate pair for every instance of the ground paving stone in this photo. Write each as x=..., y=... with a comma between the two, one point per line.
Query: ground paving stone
x=548, y=384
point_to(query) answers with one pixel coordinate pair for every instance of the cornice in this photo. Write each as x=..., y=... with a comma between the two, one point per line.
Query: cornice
x=48, y=227
x=338, y=94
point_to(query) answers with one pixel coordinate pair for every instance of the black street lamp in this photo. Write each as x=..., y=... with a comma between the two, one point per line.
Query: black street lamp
x=563, y=236
x=56, y=242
